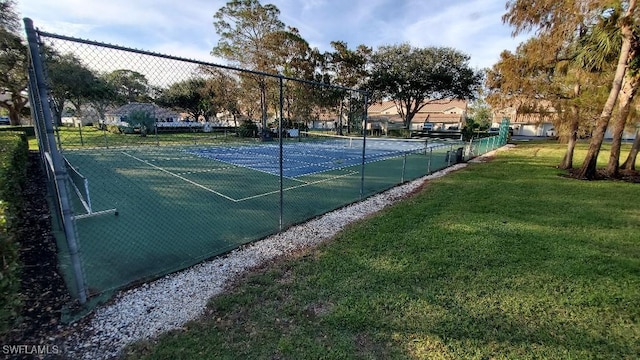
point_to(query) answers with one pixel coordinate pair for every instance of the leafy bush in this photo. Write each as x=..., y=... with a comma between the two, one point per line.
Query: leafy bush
x=400, y=133
x=247, y=129
x=13, y=164
x=143, y=120
x=114, y=129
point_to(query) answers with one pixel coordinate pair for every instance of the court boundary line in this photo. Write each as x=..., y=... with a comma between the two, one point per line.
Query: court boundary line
x=245, y=167
x=298, y=186
x=179, y=177
x=304, y=183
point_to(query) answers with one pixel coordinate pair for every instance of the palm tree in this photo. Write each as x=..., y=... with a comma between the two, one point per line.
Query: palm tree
x=626, y=25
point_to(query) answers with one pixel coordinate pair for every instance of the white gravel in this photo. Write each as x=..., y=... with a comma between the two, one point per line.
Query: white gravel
x=168, y=303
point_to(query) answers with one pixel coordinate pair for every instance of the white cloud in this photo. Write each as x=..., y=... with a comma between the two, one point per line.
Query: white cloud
x=185, y=28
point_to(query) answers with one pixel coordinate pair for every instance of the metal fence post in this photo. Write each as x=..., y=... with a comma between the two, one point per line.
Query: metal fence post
x=364, y=142
x=429, y=161
x=281, y=153
x=104, y=133
x=80, y=131
x=60, y=170
x=404, y=165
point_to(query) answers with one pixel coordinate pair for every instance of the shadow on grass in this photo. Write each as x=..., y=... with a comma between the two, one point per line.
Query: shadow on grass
x=504, y=260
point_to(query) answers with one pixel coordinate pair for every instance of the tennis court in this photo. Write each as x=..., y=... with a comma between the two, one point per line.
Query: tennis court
x=179, y=205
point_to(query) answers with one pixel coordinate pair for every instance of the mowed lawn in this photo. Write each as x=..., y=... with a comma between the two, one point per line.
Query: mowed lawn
x=501, y=260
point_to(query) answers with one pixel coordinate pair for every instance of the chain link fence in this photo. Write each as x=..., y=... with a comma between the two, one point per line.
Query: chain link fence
x=156, y=163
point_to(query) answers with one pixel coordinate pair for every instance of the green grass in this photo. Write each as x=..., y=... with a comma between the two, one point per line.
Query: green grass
x=507, y=259
x=91, y=137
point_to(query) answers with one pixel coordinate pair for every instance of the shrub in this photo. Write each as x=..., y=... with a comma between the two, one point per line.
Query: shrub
x=247, y=129
x=143, y=120
x=27, y=129
x=400, y=133
x=13, y=164
x=114, y=129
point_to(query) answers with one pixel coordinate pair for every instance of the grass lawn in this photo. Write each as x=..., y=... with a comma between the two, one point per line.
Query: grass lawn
x=506, y=259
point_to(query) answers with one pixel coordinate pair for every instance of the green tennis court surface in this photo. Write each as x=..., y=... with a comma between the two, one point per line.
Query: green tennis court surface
x=177, y=208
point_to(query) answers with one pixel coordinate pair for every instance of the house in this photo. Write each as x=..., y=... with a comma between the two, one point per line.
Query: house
x=324, y=119
x=119, y=115
x=528, y=122
x=440, y=114
x=541, y=122
x=70, y=118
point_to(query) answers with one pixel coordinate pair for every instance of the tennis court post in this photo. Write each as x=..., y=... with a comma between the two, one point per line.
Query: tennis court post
x=280, y=146
x=37, y=70
x=364, y=141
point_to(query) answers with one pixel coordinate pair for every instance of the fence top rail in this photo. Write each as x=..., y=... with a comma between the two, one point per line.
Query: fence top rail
x=193, y=61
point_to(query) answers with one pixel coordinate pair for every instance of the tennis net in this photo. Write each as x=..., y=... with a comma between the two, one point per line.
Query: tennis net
x=80, y=185
x=371, y=143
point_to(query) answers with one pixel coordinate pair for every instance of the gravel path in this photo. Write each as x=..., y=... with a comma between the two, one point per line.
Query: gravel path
x=165, y=304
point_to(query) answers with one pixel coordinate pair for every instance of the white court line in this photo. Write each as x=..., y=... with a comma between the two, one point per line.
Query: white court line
x=180, y=177
x=238, y=166
x=298, y=186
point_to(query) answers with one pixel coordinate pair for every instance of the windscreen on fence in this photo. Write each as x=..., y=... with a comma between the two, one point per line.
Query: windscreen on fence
x=169, y=161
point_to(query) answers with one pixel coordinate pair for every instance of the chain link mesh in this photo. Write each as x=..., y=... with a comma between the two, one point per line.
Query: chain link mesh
x=173, y=163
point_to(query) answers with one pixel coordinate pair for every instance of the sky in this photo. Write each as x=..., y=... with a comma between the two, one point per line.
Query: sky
x=184, y=28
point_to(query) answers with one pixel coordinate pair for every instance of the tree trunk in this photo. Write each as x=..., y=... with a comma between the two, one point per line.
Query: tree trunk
x=628, y=91
x=630, y=163
x=15, y=109
x=14, y=116
x=340, y=116
x=567, y=160
x=263, y=107
x=588, y=169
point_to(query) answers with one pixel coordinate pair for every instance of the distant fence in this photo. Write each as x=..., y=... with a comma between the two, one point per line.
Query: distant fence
x=134, y=202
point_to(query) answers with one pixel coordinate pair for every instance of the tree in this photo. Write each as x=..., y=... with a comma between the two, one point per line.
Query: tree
x=130, y=86
x=9, y=19
x=192, y=96
x=228, y=91
x=627, y=52
x=544, y=78
x=413, y=77
x=13, y=63
x=630, y=162
x=480, y=111
x=104, y=96
x=246, y=30
x=605, y=39
x=295, y=59
x=70, y=81
x=348, y=68
x=560, y=21
x=141, y=119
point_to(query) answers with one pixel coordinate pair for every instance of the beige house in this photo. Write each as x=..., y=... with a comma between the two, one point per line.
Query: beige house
x=540, y=123
x=440, y=114
x=530, y=123
x=119, y=116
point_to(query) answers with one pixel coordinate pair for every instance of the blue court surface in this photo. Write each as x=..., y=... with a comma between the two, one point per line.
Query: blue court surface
x=301, y=159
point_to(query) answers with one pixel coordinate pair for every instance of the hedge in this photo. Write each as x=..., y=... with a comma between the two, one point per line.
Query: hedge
x=13, y=167
x=27, y=129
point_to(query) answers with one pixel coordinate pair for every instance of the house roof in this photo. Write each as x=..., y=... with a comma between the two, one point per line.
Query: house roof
x=420, y=118
x=382, y=107
x=433, y=106
x=523, y=113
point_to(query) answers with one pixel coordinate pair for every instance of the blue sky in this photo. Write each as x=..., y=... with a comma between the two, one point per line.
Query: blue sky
x=185, y=28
